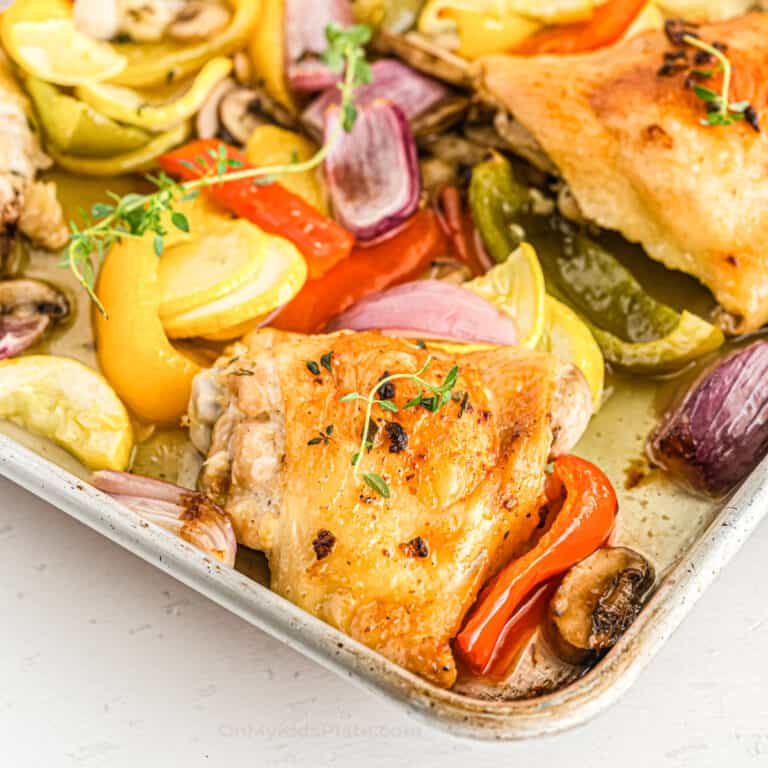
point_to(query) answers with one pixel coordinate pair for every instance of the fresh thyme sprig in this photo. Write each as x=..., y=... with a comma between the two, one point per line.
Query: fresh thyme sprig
x=134, y=215
x=440, y=395
x=721, y=111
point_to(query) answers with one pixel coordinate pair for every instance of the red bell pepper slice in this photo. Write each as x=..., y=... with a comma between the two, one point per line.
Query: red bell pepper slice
x=402, y=257
x=609, y=22
x=322, y=242
x=582, y=525
x=519, y=630
x=460, y=229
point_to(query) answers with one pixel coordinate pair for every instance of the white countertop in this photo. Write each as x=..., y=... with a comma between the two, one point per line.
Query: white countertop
x=105, y=661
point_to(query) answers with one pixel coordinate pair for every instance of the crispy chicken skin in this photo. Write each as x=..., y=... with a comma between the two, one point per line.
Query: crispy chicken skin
x=466, y=482
x=632, y=148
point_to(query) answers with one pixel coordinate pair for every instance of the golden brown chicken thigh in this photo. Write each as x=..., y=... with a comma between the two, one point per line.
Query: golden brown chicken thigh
x=632, y=148
x=466, y=482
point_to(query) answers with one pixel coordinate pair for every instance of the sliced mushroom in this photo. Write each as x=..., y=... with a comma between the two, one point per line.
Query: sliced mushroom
x=441, y=117
x=242, y=110
x=148, y=20
x=27, y=309
x=453, y=148
x=449, y=271
x=97, y=18
x=447, y=160
x=501, y=131
x=207, y=121
x=568, y=205
x=597, y=601
x=7, y=245
x=436, y=174
x=11, y=202
x=199, y=20
x=242, y=68
x=425, y=56
x=571, y=410
x=520, y=140
x=25, y=297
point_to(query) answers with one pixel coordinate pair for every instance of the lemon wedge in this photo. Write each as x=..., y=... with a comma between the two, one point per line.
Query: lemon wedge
x=277, y=282
x=70, y=404
x=517, y=289
x=41, y=37
x=206, y=268
x=137, y=108
x=567, y=337
x=74, y=127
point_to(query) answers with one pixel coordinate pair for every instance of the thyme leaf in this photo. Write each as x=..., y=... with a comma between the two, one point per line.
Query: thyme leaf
x=377, y=483
x=720, y=109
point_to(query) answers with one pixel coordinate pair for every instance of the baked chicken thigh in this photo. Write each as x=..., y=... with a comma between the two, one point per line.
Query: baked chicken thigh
x=464, y=484
x=629, y=141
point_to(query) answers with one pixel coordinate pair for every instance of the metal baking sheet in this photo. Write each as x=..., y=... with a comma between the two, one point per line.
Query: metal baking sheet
x=718, y=536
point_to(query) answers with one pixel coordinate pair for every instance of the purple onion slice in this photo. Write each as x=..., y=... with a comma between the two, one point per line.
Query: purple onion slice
x=719, y=432
x=413, y=92
x=190, y=515
x=373, y=171
x=430, y=309
x=311, y=76
x=20, y=333
x=305, y=40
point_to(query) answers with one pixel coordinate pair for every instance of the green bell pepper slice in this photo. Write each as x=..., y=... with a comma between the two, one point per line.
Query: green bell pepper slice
x=497, y=199
x=634, y=331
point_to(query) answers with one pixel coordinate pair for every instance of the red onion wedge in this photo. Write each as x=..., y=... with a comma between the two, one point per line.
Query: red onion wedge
x=413, y=92
x=311, y=76
x=20, y=333
x=430, y=309
x=305, y=23
x=373, y=171
x=719, y=432
x=190, y=515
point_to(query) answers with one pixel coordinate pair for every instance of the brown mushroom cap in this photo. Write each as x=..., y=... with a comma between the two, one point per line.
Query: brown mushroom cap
x=199, y=20
x=424, y=56
x=25, y=298
x=27, y=309
x=242, y=110
x=596, y=602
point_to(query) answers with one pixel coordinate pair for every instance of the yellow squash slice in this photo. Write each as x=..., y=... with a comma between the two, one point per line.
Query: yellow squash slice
x=136, y=108
x=208, y=267
x=280, y=278
x=136, y=160
x=40, y=36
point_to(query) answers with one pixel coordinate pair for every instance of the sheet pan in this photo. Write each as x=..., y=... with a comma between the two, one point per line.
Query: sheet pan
x=682, y=585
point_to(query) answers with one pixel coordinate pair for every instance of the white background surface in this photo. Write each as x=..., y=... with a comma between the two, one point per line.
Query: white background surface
x=105, y=661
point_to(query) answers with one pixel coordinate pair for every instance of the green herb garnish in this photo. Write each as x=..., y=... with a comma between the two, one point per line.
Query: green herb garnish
x=322, y=437
x=377, y=483
x=134, y=215
x=720, y=109
x=440, y=395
